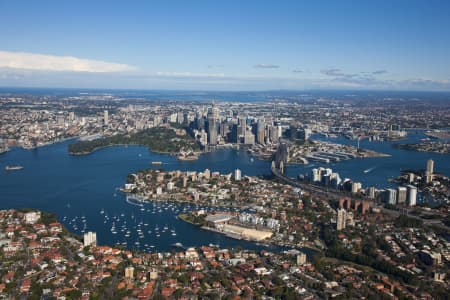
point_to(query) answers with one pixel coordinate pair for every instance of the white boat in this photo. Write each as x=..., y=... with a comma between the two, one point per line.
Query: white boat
x=369, y=170
x=13, y=168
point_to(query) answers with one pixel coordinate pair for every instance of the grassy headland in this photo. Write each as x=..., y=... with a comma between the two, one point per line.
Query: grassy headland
x=158, y=139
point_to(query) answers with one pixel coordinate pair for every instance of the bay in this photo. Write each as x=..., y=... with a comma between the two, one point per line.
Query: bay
x=82, y=187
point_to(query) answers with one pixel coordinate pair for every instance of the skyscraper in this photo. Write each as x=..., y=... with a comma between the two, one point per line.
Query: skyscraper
x=391, y=196
x=372, y=192
x=304, y=134
x=401, y=194
x=213, y=115
x=237, y=174
x=430, y=166
x=242, y=126
x=260, y=134
x=429, y=171
x=412, y=195
x=105, y=117
x=249, y=138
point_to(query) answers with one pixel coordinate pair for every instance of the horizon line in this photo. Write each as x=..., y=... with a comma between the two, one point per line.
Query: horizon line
x=230, y=91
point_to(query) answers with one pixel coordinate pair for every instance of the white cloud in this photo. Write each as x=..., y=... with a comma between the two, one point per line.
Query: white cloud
x=190, y=75
x=43, y=62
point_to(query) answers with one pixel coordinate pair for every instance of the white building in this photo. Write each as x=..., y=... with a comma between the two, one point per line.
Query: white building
x=237, y=174
x=158, y=190
x=90, y=238
x=412, y=195
x=315, y=175
x=301, y=258
x=391, y=196
x=32, y=217
x=341, y=219
x=356, y=186
x=105, y=117
x=401, y=194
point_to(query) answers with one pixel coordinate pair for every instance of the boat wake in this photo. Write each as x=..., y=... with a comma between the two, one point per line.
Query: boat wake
x=135, y=200
x=369, y=170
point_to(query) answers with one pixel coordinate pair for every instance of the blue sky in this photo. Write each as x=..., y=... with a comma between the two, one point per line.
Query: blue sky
x=226, y=45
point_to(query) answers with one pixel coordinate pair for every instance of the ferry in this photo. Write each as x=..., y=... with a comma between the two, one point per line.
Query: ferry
x=13, y=168
x=156, y=162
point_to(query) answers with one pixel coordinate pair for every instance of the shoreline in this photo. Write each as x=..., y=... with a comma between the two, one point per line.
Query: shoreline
x=146, y=199
x=182, y=217
x=124, y=145
x=416, y=147
x=266, y=243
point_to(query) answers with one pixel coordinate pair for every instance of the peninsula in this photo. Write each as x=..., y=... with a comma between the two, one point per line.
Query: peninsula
x=157, y=139
x=435, y=146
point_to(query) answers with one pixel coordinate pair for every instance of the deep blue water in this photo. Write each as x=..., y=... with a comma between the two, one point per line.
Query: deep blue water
x=76, y=186
x=73, y=186
x=383, y=168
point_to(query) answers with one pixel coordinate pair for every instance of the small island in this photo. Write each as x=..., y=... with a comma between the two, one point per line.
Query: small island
x=157, y=139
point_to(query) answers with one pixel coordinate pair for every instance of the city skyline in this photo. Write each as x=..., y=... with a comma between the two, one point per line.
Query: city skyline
x=226, y=46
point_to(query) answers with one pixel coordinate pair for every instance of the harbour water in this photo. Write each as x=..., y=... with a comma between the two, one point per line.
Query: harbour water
x=376, y=171
x=83, y=190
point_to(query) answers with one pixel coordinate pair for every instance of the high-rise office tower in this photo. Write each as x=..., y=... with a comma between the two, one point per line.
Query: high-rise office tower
x=249, y=138
x=212, y=125
x=391, y=196
x=401, y=194
x=304, y=134
x=412, y=195
x=372, y=192
x=212, y=132
x=260, y=132
x=237, y=174
x=242, y=126
x=429, y=171
x=105, y=117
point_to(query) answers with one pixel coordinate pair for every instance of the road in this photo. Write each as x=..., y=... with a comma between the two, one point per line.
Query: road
x=335, y=195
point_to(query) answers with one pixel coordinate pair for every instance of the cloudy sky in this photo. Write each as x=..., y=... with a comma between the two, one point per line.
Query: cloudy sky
x=226, y=45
